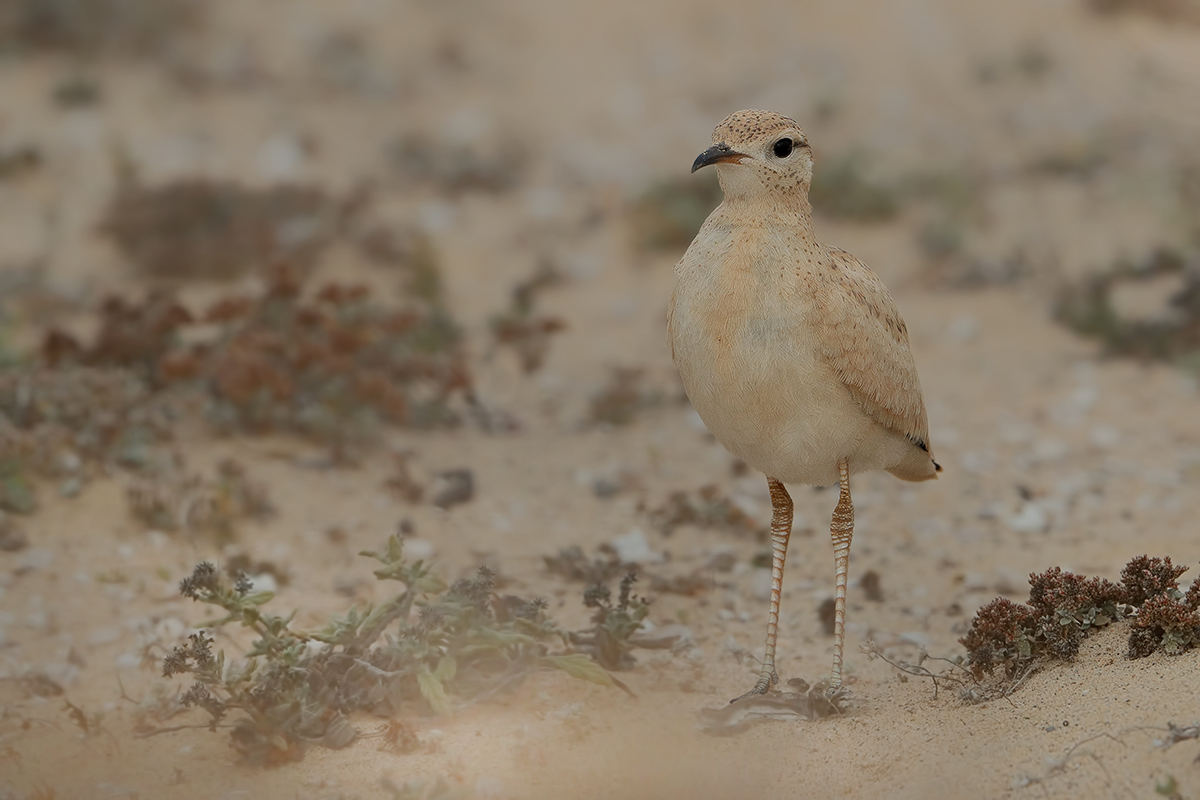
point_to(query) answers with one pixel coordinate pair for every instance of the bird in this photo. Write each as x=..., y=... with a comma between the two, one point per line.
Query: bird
x=792, y=351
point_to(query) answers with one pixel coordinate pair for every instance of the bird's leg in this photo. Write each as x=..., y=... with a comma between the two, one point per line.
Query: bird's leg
x=781, y=529
x=842, y=530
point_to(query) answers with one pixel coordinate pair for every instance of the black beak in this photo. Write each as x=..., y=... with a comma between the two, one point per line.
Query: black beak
x=715, y=155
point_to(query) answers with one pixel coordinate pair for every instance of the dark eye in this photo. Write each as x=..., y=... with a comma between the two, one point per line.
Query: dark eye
x=783, y=148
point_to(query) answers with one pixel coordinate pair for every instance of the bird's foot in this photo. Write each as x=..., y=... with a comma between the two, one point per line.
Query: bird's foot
x=768, y=679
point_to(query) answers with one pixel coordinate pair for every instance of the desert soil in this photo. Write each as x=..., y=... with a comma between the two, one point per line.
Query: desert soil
x=1053, y=455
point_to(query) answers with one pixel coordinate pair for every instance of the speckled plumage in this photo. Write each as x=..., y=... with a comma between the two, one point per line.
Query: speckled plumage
x=792, y=351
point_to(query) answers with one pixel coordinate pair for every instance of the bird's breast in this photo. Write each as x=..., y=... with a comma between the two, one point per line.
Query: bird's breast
x=752, y=370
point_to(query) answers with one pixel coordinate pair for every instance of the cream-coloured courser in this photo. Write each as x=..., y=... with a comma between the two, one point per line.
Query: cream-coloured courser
x=792, y=351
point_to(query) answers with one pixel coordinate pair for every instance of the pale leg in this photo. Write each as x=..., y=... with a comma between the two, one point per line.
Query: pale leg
x=842, y=530
x=781, y=530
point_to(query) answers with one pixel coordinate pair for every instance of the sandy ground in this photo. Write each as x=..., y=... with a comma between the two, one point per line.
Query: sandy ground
x=1053, y=455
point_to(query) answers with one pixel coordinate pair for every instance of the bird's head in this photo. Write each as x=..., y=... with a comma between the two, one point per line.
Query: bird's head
x=759, y=152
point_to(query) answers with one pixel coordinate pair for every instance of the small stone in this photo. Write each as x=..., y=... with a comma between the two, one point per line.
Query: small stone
x=721, y=559
x=674, y=636
x=605, y=488
x=1105, y=437
x=454, y=487
x=35, y=559
x=38, y=620
x=103, y=636
x=169, y=629
x=963, y=328
x=975, y=582
x=1009, y=580
x=69, y=462
x=418, y=549
x=1030, y=519
x=633, y=548
x=264, y=582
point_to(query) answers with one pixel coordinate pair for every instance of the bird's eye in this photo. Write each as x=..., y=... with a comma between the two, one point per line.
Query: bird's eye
x=783, y=148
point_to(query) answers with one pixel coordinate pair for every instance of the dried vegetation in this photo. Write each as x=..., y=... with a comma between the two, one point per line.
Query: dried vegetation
x=332, y=366
x=175, y=499
x=522, y=328
x=1063, y=608
x=201, y=228
x=1172, y=334
x=705, y=508
x=120, y=28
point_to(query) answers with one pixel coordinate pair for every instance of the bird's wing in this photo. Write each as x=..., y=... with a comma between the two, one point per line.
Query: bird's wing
x=866, y=343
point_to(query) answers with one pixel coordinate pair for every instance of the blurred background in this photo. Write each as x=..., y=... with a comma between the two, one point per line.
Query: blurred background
x=275, y=275
x=1009, y=144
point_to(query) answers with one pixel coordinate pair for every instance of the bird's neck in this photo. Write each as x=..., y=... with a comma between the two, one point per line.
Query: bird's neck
x=773, y=209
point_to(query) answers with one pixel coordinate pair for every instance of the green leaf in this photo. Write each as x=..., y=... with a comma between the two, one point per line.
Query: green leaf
x=433, y=691
x=578, y=665
x=428, y=583
x=258, y=598
x=447, y=668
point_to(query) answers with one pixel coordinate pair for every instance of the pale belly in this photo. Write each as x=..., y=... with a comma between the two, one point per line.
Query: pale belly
x=765, y=394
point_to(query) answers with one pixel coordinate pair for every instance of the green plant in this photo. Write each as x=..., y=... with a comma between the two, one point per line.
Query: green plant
x=1087, y=308
x=466, y=644
x=607, y=640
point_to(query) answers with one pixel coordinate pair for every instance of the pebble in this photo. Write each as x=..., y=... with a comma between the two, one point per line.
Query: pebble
x=722, y=558
x=264, y=582
x=1105, y=437
x=105, y=635
x=1010, y=580
x=963, y=328
x=454, y=487
x=128, y=661
x=975, y=582
x=674, y=636
x=169, y=629
x=35, y=559
x=418, y=549
x=38, y=620
x=1030, y=519
x=634, y=548
x=61, y=672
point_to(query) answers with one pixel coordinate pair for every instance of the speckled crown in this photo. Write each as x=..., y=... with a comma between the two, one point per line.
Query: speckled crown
x=741, y=126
